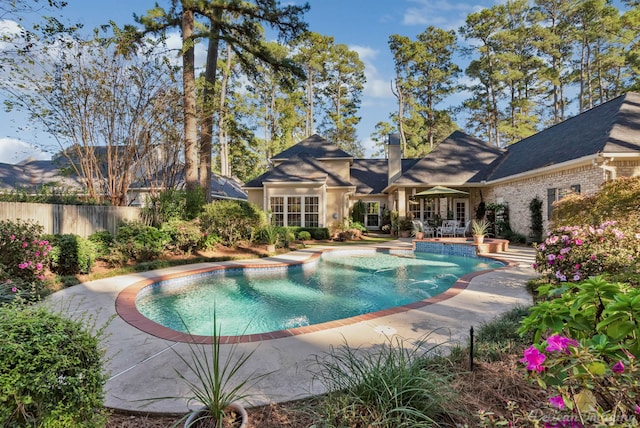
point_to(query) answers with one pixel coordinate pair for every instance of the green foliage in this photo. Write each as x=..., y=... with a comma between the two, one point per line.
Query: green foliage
x=48, y=193
x=537, y=226
x=387, y=386
x=480, y=227
x=214, y=377
x=304, y=235
x=185, y=235
x=358, y=211
x=591, y=308
x=583, y=382
x=269, y=234
x=103, y=242
x=172, y=204
x=498, y=338
x=232, y=221
x=50, y=370
x=140, y=242
x=24, y=255
x=72, y=254
x=617, y=199
x=320, y=233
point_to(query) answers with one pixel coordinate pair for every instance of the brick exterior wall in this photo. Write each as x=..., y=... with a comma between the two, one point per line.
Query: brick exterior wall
x=517, y=194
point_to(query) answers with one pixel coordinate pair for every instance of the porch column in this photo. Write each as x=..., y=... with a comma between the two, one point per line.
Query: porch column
x=402, y=202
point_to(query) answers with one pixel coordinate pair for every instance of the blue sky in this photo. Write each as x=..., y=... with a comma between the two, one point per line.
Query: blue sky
x=363, y=25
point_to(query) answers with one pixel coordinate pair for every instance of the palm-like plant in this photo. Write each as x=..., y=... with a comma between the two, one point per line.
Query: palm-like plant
x=218, y=386
x=480, y=227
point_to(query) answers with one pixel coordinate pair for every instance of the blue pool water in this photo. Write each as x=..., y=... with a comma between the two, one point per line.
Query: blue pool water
x=339, y=285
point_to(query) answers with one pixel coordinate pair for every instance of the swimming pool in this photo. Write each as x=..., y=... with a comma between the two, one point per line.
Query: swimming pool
x=341, y=284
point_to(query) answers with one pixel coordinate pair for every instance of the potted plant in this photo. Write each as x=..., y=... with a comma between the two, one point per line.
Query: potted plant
x=418, y=229
x=270, y=235
x=404, y=225
x=479, y=228
x=218, y=387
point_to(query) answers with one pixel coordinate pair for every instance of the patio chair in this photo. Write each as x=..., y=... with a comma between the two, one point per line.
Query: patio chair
x=447, y=228
x=462, y=231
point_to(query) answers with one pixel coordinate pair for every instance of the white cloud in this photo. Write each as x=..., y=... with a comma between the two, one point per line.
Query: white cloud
x=449, y=15
x=377, y=86
x=14, y=151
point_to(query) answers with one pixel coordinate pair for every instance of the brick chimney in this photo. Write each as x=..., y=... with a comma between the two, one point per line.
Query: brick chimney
x=394, y=150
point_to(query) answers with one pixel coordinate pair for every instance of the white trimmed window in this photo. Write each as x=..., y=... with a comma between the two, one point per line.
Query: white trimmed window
x=295, y=210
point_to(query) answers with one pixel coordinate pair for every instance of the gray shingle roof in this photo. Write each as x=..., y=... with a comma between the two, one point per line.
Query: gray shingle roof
x=31, y=174
x=612, y=127
x=303, y=167
x=315, y=146
x=460, y=158
x=369, y=175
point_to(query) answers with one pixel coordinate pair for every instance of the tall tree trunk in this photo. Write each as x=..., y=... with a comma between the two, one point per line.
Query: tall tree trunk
x=189, y=88
x=225, y=165
x=206, y=139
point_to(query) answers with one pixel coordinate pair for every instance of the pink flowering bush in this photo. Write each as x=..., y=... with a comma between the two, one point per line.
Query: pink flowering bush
x=574, y=253
x=24, y=255
x=585, y=385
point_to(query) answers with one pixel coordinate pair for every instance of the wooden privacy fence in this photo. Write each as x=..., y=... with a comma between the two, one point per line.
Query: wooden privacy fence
x=80, y=220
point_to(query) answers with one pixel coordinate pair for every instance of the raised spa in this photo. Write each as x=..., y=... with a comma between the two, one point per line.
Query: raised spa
x=338, y=285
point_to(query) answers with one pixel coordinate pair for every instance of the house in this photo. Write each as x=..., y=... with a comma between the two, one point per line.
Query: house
x=31, y=176
x=315, y=183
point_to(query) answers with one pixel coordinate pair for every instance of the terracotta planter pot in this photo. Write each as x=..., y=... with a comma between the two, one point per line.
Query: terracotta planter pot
x=271, y=248
x=419, y=235
x=242, y=421
x=405, y=233
x=478, y=239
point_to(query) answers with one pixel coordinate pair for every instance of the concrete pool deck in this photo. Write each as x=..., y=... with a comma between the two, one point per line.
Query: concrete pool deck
x=142, y=367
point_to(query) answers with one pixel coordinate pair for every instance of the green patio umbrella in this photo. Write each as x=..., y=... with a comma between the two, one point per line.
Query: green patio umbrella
x=440, y=192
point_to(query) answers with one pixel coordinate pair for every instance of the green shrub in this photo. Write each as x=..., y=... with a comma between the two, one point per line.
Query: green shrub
x=102, y=242
x=24, y=254
x=185, y=235
x=320, y=233
x=288, y=236
x=303, y=235
x=72, y=254
x=232, y=221
x=50, y=371
x=141, y=242
x=386, y=387
x=173, y=204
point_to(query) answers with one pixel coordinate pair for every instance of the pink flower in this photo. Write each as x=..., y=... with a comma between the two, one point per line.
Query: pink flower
x=577, y=266
x=25, y=244
x=557, y=401
x=23, y=265
x=534, y=359
x=557, y=343
x=37, y=254
x=565, y=250
x=593, y=257
x=38, y=266
x=542, y=247
x=12, y=237
x=618, y=367
x=637, y=409
x=578, y=242
x=14, y=290
x=535, y=265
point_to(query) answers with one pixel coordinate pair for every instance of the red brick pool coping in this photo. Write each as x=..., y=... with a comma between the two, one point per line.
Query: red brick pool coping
x=127, y=310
